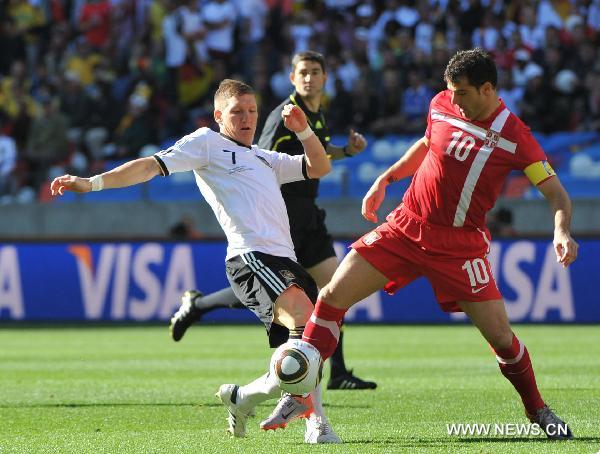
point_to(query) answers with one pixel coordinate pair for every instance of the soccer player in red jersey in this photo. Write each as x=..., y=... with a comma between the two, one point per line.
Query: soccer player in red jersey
x=471, y=144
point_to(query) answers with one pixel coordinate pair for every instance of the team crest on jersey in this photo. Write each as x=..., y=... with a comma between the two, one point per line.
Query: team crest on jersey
x=287, y=274
x=492, y=138
x=371, y=237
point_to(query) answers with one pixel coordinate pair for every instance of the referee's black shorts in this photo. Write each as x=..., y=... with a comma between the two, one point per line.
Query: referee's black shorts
x=312, y=242
x=257, y=279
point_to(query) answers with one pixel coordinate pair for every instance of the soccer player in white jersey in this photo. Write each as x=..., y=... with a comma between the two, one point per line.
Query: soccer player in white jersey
x=312, y=242
x=471, y=144
x=241, y=182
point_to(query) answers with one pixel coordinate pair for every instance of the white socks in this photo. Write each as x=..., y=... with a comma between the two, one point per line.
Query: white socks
x=263, y=389
x=317, y=401
x=258, y=391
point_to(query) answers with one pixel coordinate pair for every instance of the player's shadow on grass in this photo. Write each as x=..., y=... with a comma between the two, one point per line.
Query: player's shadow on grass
x=145, y=404
x=440, y=442
x=271, y=404
x=328, y=405
x=109, y=404
x=524, y=440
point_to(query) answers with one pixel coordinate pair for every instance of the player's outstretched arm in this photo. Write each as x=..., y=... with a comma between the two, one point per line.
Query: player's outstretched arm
x=317, y=163
x=406, y=166
x=128, y=174
x=560, y=203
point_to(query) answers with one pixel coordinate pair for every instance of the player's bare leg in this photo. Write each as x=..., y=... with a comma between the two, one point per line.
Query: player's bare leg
x=292, y=309
x=491, y=320
x=354, y=280
x=323, y=271
x=513, y=358
x=340, y=376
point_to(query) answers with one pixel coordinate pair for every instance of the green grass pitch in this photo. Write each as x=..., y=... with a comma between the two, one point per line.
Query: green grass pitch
x=133, y=390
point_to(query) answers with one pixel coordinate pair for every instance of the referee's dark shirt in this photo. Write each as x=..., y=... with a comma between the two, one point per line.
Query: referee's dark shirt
x=275, y=136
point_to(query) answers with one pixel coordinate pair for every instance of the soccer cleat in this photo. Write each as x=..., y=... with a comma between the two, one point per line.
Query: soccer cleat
x=287, y=410
x=554, y=427
x=318, y=430
x=236, y=418
x=187, y=314
x=349, y=381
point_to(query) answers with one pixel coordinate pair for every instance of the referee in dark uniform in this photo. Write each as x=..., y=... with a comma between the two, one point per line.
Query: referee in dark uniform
x=312, y=243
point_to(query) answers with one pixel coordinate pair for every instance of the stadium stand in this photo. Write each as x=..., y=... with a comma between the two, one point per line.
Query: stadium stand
x=127, y=76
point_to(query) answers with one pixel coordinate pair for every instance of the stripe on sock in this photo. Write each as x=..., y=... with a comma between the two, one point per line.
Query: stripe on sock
x=330, y=325
x=519, y=371
x=514, y=360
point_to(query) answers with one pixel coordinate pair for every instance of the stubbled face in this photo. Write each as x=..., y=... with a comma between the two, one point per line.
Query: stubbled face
x=237, y=118
x=308, y=78
x=472, y=102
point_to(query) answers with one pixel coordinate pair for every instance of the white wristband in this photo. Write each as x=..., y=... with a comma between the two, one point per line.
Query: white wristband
x=97, y=183
x=303, y=135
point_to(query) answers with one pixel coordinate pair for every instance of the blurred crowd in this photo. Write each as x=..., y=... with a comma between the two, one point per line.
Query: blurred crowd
x=86, y=81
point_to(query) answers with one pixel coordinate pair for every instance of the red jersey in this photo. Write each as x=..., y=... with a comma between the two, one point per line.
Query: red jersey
x=463, y=172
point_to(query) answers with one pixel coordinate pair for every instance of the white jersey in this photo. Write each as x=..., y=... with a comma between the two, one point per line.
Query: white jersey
x=242, y=186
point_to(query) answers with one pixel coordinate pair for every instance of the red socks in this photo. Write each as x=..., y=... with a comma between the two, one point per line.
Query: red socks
x=515, y=365
x=323, y=331
x=323, y=328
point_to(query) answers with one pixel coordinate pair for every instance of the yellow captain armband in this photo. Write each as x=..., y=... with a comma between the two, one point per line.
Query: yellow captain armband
x=538, y=172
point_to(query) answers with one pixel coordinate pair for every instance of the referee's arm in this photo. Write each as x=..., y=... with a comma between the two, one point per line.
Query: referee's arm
x=335, y=152
x=356, y=144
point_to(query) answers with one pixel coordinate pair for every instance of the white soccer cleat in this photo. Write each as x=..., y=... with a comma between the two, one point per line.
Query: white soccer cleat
x=287, y=410
x=318, y=430
x=237, y=416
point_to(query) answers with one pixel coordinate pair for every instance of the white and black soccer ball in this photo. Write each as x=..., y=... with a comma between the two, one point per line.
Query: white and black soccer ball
x=296, y=367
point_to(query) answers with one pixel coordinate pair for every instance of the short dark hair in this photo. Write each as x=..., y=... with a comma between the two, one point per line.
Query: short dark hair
x=310, y=55
x=475, y=65
x=229, y=88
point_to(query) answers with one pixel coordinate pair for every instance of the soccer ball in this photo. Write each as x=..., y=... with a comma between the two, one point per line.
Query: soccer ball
x=296, y=367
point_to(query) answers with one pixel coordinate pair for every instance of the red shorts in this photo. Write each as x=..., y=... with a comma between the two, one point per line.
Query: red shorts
x=453, y=259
